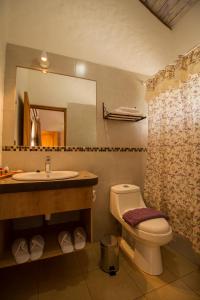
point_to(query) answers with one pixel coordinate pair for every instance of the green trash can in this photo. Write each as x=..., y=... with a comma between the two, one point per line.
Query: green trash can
x=109, y=254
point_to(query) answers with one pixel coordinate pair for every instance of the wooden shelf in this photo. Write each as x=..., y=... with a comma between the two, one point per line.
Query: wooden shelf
x=121, y=117
x=51, y=249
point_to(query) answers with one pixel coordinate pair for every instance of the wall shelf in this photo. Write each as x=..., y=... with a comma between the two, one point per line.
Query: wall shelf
x=50, y=234
x=120, y=117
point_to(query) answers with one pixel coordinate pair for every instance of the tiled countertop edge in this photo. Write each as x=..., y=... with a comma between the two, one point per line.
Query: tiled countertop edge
x=73, y=149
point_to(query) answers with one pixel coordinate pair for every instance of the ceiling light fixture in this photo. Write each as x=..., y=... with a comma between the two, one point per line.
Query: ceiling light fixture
x=80, y=69
x=44, y=61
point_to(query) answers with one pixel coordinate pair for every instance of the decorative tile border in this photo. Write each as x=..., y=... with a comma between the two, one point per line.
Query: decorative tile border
x=73, y=149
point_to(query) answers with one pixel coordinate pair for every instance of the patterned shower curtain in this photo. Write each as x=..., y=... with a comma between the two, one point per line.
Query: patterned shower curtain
x=172, y=182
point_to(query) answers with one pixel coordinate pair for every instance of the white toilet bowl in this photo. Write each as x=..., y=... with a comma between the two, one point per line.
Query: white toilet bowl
x=148, y=235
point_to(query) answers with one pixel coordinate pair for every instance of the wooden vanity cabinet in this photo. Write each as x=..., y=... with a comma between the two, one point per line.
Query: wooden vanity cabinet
x=22, y=204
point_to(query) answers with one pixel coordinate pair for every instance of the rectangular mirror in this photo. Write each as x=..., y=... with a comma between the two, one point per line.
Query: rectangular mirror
x=54, y=110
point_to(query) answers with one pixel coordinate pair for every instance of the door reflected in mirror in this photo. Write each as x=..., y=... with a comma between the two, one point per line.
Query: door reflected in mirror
x=48, y=126
x=54, y=110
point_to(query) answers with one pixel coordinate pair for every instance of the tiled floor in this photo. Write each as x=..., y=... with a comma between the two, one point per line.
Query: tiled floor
x=77, y=276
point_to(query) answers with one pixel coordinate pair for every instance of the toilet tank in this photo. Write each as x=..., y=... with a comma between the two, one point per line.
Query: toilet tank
x=124, y=197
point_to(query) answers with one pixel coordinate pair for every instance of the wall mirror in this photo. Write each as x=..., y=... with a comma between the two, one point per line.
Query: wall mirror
x=54, y=110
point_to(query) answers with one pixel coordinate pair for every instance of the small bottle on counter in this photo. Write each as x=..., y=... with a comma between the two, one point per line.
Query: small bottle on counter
x=6, y=169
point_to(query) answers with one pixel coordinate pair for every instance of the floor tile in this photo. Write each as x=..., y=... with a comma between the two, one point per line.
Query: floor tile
x=102, y=286
x=64, y=289
x=61, y=266
x=176, y=290
x=193, y=281
x=176, y=263
x=19, y=283
x=89, y=257
x=144, y=281
x=77, y=276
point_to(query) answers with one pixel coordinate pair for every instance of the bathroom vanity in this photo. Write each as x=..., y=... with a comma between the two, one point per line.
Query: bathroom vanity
x=19, y=199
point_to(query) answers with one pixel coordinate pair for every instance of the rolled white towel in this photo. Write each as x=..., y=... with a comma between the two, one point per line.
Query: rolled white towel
x=65, y=241
x=20, y=251
x=36, y=247
x=123, y=112
x=128, y=109
x=79, y=238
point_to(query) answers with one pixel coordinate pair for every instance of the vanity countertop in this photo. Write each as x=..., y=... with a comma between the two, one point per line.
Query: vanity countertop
x=85, y=178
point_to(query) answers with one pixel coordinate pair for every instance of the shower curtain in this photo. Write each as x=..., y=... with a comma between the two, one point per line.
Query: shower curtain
x=172, y=181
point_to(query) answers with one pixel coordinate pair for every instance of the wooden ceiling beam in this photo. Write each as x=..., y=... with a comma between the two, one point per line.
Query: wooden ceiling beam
x=168, y=11
x=155, y=15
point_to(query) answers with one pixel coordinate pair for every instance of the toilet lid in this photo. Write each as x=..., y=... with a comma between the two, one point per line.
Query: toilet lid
x=159, y=225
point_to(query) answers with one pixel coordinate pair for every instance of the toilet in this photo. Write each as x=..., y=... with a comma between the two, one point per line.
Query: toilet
x=148, y=235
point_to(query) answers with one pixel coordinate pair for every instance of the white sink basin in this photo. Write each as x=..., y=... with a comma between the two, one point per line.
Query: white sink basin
x=42, y=176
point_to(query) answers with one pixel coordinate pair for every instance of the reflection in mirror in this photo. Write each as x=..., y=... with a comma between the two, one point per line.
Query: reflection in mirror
x=48, y=126
x=54, y=110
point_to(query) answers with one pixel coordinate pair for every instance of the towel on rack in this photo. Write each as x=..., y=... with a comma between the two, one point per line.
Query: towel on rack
x=128, y=113
x=135, y=216
x=128, y=109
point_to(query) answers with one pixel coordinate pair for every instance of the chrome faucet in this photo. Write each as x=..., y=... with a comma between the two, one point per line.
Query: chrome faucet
x=48, y=165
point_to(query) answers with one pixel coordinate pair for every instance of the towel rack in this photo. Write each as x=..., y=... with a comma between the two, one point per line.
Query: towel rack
x=120, y=116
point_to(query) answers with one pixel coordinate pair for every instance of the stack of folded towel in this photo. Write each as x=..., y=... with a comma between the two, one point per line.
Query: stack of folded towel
x=135, y=216
x=131, y=111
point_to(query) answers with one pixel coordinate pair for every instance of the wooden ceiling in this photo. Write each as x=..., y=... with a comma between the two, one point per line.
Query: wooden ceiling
x=168, y=11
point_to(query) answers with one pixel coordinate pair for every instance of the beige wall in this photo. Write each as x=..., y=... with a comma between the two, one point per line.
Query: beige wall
x=117, y=33
x=3, y=39
x=53, y=89
x=123, y=34
x=114, y=87
x=81, y=124
x=186, y=33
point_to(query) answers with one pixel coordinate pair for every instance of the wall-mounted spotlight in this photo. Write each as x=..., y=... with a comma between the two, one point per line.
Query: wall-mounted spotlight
x=44, y=61
x=80, y=69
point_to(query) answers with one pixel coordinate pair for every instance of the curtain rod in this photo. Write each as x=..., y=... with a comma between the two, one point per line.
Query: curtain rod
x=192, y=49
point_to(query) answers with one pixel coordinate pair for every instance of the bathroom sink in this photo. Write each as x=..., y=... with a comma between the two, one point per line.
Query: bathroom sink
x=43, y=176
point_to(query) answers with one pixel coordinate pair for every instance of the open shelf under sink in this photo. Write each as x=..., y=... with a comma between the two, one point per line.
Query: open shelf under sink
x=50, y=234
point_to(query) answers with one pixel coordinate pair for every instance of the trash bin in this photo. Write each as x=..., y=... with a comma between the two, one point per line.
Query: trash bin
x=109, y=254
